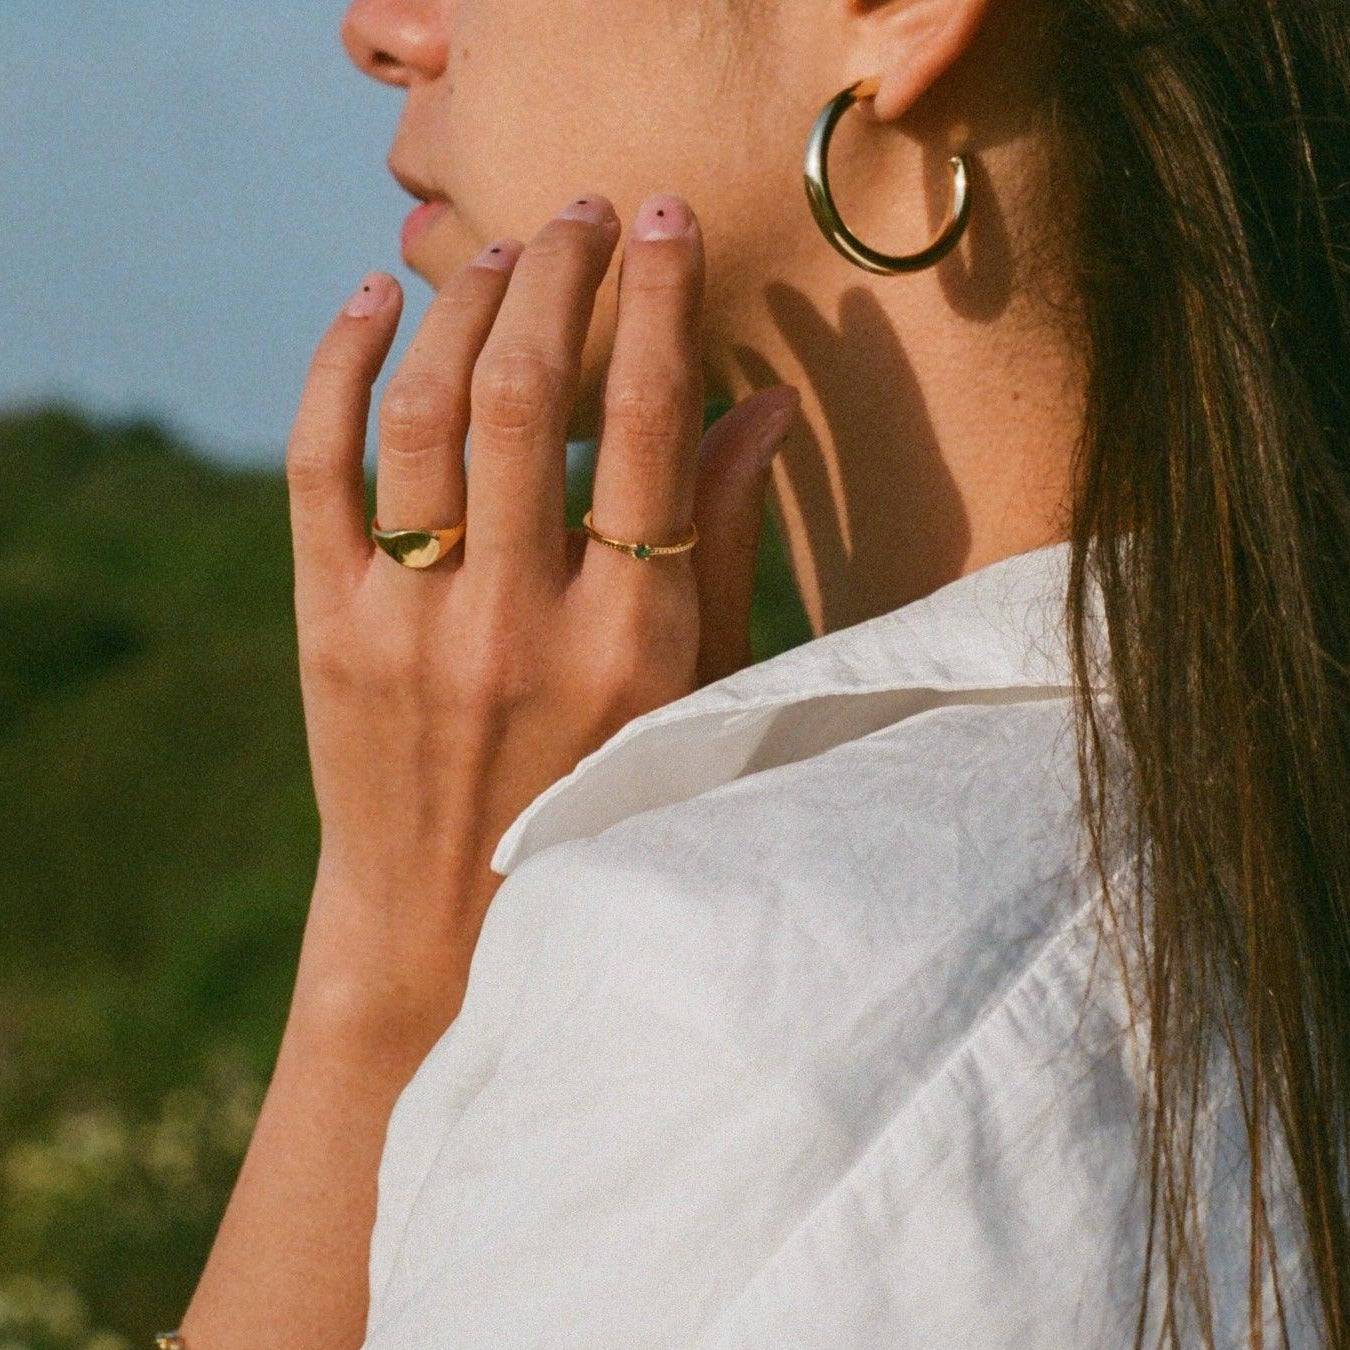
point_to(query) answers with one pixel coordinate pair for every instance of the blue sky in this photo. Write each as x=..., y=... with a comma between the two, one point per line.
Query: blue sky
x=191, y=190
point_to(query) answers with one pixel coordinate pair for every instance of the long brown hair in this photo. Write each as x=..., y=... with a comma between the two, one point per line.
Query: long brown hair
x=1208, y=143
x=1199, y=191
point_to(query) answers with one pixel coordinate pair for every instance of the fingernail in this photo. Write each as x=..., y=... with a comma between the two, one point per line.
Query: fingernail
x=501, y=255
x=595, y=208
x=662, y=216
x=777, y=421
x=369, y=296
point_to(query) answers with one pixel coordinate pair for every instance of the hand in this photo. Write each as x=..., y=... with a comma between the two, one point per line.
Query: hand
x=439, y=702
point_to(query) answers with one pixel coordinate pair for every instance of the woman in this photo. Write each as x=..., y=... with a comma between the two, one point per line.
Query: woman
x=782, y=1016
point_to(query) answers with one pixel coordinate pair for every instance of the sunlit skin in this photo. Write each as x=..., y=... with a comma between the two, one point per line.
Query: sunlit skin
x=939, y=407
x=939, y=411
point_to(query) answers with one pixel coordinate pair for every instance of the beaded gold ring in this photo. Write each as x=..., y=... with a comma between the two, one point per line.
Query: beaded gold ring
x=636, y=548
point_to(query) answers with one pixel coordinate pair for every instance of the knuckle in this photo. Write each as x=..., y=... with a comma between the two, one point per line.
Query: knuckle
x=659, y=277
x=661, y=270
x=560, y=240
x=651, y=408
x=513, y=388
x=416, y=408
x=332, y=364
x=308, y=472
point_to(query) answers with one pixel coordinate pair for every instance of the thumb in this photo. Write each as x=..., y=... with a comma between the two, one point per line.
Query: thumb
x=734, y=458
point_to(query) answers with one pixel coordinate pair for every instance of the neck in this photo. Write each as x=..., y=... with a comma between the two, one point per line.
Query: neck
x=894, y=484
x=917, y=458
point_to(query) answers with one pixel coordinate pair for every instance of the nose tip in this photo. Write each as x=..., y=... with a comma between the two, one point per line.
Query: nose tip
x=394, y=41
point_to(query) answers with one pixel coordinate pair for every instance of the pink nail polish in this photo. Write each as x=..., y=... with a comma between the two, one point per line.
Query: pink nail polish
x=593, y=207
x=500, y=255
x=369, y=296
x=662, y=216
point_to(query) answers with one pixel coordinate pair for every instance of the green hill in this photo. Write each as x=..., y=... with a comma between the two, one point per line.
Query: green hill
x=159, y=842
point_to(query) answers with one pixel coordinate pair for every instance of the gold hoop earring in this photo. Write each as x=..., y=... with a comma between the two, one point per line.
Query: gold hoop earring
x=827, y=214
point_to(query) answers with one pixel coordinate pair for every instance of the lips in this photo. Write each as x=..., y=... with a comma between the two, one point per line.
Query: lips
x=433, y=202
x=419, y=220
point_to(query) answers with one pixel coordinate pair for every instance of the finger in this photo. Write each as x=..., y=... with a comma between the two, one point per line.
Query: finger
x=523, y=389
x=734, y=463
x=424, y=413
x=653, y=400
x=324, y=473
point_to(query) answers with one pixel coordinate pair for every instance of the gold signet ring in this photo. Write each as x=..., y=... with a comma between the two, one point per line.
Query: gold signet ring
x=417, y=548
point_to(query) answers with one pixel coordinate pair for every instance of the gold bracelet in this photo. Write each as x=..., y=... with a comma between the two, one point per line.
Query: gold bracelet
x=169, y=1340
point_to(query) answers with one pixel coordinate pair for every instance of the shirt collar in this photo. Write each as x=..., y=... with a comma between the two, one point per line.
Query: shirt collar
x=987, y=636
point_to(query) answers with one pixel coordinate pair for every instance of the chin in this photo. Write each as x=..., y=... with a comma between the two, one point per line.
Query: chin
x=441, y=250
x=430, y=269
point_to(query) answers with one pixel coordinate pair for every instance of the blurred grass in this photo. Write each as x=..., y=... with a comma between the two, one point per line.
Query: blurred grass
x=158, y=846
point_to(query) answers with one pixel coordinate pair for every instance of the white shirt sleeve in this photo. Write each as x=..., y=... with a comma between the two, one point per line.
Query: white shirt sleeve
x=796, y=1062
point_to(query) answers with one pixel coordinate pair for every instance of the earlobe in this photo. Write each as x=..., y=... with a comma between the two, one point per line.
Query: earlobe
x=922, y=40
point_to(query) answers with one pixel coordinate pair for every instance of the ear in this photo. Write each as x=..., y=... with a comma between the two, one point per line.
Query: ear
x=919, y=40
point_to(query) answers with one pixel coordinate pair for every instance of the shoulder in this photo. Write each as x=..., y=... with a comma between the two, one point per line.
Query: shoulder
x=931, y=860
x=957, y=821
x=685, y=1035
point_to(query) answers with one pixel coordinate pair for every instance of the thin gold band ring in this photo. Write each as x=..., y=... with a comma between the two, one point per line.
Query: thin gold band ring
x=421, y=548
x=637, y=549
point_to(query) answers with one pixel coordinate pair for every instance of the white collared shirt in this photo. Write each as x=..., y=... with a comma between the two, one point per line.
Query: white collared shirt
x=771, y=1033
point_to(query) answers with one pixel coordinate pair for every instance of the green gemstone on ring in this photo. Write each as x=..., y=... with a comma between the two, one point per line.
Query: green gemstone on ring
x=642, y=551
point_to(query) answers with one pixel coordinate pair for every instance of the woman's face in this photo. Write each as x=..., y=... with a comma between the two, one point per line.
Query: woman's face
x=934, y=408
x=511, y=108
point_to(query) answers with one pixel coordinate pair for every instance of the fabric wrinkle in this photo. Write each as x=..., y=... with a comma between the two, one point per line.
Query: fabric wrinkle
x=791, y=1024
